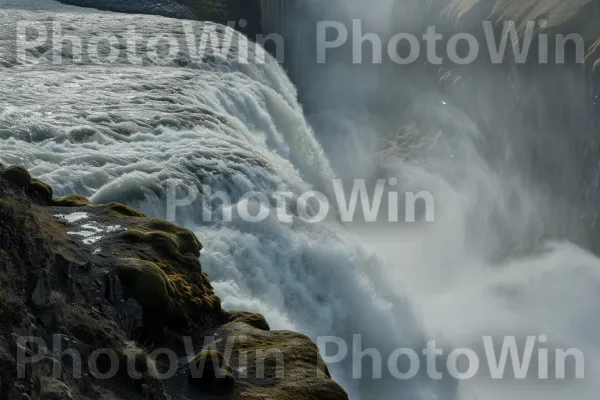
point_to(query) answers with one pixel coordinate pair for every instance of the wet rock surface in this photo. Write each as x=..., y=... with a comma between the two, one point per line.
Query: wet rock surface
x=138, y=292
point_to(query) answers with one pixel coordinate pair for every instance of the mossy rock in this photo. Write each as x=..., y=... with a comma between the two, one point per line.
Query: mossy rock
x=186, y=240
x=172, y=243
x=121, y=210
x=17, y=175
x=33, y=187
x=212, y=302
x=164, y=242
x=166, y=298
x=132, y=355
x=257, y=321
x=72, y=200
x=89, y=329
x=209, y=370
x=12, y=308
x=53, y=389
x=41, y=190
x=147, y=283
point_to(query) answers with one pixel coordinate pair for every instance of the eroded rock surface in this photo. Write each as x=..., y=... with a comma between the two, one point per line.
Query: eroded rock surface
x=131, y=285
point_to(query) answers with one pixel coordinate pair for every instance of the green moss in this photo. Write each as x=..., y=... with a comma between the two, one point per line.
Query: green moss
x=210, y=371
x=186, y=240
x=33, y=187
x=132, y=355
x=41, y=190
x=166, y=276
x=17, y=175
x=30, y=219
x=161, y=241
x=146, y=282
x=167, y=295
x=212, y=302
x=288, y=361
x=89, y=329
x=172, y=240
x=121, y=210
x=257, y=321
x=51, y=388
x=71, y=200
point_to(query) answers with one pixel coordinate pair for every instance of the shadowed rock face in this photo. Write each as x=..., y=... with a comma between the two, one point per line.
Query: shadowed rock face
x=94, y=276
x=221, y=11
x=165, y=8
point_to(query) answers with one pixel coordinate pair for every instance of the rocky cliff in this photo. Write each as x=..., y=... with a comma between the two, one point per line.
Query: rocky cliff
x=221, y=11
x=102, y=302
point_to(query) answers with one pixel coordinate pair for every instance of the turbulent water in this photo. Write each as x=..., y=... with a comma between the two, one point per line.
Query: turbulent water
x=127, y=133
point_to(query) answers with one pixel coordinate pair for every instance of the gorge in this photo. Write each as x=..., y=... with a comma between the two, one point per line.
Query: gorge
x=509, y=152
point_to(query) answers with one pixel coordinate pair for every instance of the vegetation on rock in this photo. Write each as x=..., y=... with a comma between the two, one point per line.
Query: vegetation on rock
x=210, y=371
x=139, y=287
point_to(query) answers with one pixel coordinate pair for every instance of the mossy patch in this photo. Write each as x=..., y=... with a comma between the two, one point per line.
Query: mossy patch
x=53, y=389
x=71, y=200
x=31, y=220
x=12, y=308
x=257, y=321
x=146, y=282
x=41, y=190
x=33, y=187
x=287, y=364
x=167, y=295
x=17, y=175
x=89, y=329
x=209, y=370
x=121, y=210
x=167, y=238
x=164, y=242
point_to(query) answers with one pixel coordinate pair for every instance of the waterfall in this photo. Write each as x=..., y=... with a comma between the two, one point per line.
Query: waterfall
x=126, y=132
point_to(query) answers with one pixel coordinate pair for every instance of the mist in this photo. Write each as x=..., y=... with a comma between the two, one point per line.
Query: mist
x=511, y=248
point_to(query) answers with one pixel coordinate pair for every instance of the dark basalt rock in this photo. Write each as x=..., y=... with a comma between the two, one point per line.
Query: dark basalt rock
x=221, y=11
x=165, y=8
x=210, y=371
x=136, y=288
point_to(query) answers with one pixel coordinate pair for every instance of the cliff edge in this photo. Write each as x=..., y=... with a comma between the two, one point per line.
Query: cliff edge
x=102, y=302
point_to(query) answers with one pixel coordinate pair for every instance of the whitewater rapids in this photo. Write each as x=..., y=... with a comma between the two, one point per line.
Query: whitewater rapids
x=121, y=132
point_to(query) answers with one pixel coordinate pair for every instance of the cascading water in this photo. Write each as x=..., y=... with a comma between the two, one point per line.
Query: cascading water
x=125, y=133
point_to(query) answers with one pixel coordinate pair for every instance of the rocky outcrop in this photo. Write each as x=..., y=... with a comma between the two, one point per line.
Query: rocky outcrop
x=101, y=302
x=165, y=8
x=243, y=15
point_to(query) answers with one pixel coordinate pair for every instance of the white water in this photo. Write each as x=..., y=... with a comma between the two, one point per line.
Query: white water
x=121, y=132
